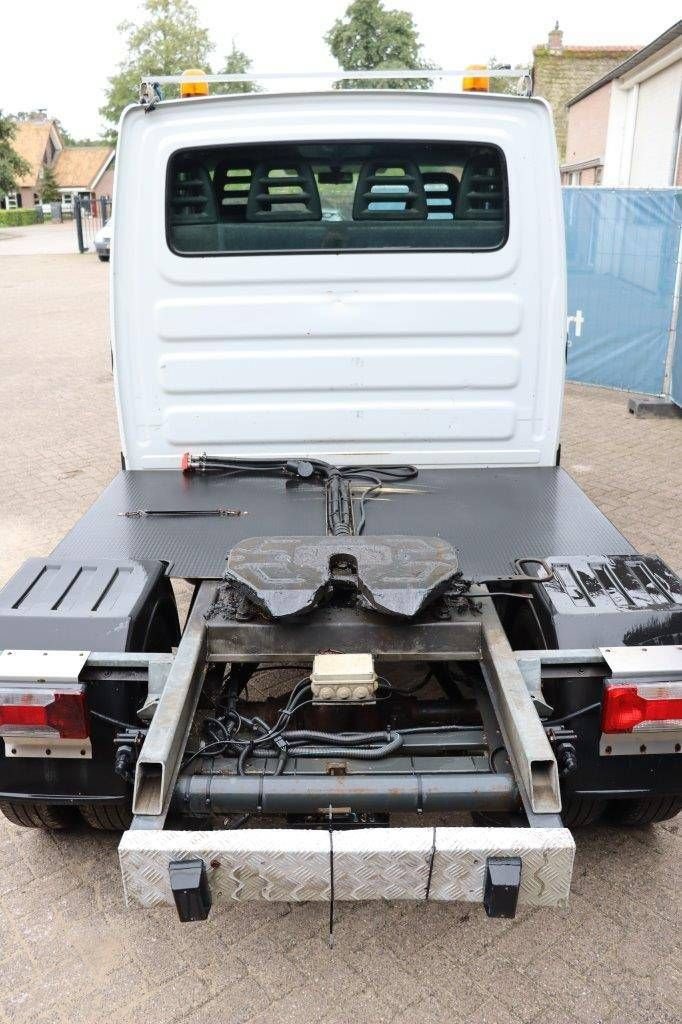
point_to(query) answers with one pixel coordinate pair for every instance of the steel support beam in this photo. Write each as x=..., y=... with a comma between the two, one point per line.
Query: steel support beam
x=159, y=760
x=345, y=629
x=529, y=750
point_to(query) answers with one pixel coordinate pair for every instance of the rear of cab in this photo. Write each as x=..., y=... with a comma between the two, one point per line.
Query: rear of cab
x=347, y=275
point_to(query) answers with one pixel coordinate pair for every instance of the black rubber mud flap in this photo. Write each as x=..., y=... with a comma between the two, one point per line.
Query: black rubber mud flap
x=190, y=889
x=501, y=887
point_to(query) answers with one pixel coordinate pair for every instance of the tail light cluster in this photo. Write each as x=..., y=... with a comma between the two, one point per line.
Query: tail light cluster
x=638, y=707
x=58, y=712
x=43, y=704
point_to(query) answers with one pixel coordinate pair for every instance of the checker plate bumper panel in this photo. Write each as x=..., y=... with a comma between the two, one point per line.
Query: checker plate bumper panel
x=390, y=863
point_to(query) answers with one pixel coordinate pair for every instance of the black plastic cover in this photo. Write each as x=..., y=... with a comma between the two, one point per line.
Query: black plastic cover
x=190, y=888
x=595, y=601
x=501, y=886
x=63, y=604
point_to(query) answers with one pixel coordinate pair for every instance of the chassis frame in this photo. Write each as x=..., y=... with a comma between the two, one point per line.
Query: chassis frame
x=417, y=863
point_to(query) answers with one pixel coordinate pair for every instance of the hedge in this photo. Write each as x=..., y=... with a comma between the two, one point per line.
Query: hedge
x=17, y=218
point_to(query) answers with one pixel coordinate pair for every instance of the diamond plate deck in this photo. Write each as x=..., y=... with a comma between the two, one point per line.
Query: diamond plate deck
x=256, y=864
x=459, y=863
x=382, y=864
x=445, y=864
x=489, y=516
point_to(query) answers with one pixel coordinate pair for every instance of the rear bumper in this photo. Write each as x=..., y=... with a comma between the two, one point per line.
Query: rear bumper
x=382, y=863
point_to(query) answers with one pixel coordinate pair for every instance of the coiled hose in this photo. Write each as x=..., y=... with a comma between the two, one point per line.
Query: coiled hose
x=341, y=738
x=352, y=753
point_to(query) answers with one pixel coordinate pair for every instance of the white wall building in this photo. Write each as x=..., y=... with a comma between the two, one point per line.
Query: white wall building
x=633, y=115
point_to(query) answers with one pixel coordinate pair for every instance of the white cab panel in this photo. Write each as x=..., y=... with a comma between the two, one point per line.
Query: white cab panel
x=438, y=358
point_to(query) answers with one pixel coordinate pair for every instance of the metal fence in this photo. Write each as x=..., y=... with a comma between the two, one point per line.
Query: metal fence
x=624, y=255
x=89, y=215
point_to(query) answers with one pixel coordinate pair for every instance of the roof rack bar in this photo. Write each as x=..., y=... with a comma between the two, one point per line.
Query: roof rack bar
x=335, y=76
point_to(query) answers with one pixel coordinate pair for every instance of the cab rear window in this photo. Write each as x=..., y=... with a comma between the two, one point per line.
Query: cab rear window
x=336, y=196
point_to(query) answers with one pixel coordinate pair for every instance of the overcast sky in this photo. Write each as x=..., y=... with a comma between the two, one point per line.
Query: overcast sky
x=63, y=61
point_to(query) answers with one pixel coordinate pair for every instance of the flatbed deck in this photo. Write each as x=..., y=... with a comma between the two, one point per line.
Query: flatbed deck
x=490, y=516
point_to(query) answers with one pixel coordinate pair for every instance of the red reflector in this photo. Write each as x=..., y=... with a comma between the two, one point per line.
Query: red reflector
x=34, y=709
x=626, y=707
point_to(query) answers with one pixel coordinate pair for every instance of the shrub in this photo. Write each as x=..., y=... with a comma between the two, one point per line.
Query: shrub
x=17, y=218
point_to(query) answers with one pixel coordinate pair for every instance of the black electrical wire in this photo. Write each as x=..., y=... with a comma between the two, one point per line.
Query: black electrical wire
x=296, y=742
x=117, y=721
x=353, y=753
x=274, y=667
x=414, y=730
x=572, y=714
x=524, y=597
x=340, y=738
x=313, y=470
x=220, y=746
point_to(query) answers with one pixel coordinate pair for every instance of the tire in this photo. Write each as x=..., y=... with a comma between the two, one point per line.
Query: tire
x=491, y=819
x=644, y=811
x=45, y=816
x=106, y=817
x=577, y=812
x=581, y=811
x=102, y=259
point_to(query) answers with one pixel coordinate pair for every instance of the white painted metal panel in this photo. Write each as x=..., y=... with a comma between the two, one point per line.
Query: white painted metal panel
x=439, y=358
x=657, y=662
x=42, y=666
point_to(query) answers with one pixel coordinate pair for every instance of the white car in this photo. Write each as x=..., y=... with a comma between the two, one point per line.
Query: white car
x=103, y=241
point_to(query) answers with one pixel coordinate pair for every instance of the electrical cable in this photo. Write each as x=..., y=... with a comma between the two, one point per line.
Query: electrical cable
x=525, y=597
x=572, y=714
x=353, y=753
x=117, y=721
x=312, y=470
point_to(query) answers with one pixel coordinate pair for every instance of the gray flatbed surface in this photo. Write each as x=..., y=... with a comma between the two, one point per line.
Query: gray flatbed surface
x=490, y=516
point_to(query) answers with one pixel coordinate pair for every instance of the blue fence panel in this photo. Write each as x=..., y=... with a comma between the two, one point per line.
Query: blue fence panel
x=621, y=247
x=676, y=377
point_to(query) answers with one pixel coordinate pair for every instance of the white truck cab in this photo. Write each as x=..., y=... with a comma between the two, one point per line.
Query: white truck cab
x=339, y=334
x=354, y=275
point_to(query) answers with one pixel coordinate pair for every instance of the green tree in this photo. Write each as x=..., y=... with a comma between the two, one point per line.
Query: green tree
x=49, y=190
x=12, y=166
x=236, y=63
x=370, y=38
x=168, y=41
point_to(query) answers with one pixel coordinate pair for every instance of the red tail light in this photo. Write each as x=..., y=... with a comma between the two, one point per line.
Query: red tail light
x=33, y=710
x=642, y=707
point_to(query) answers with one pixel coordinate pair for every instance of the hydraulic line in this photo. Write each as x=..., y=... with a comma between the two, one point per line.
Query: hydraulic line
x=337, y=481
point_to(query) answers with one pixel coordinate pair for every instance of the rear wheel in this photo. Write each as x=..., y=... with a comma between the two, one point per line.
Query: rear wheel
x=643, y=811
x=106, y=817
x=39, y=815
x=581, y=811
x=576, y=812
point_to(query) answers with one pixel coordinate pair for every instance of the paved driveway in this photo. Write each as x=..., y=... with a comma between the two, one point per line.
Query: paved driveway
x=39, y=239
x=69, y=952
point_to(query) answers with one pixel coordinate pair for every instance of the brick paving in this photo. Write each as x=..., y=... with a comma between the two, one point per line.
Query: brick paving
x=69, y=952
